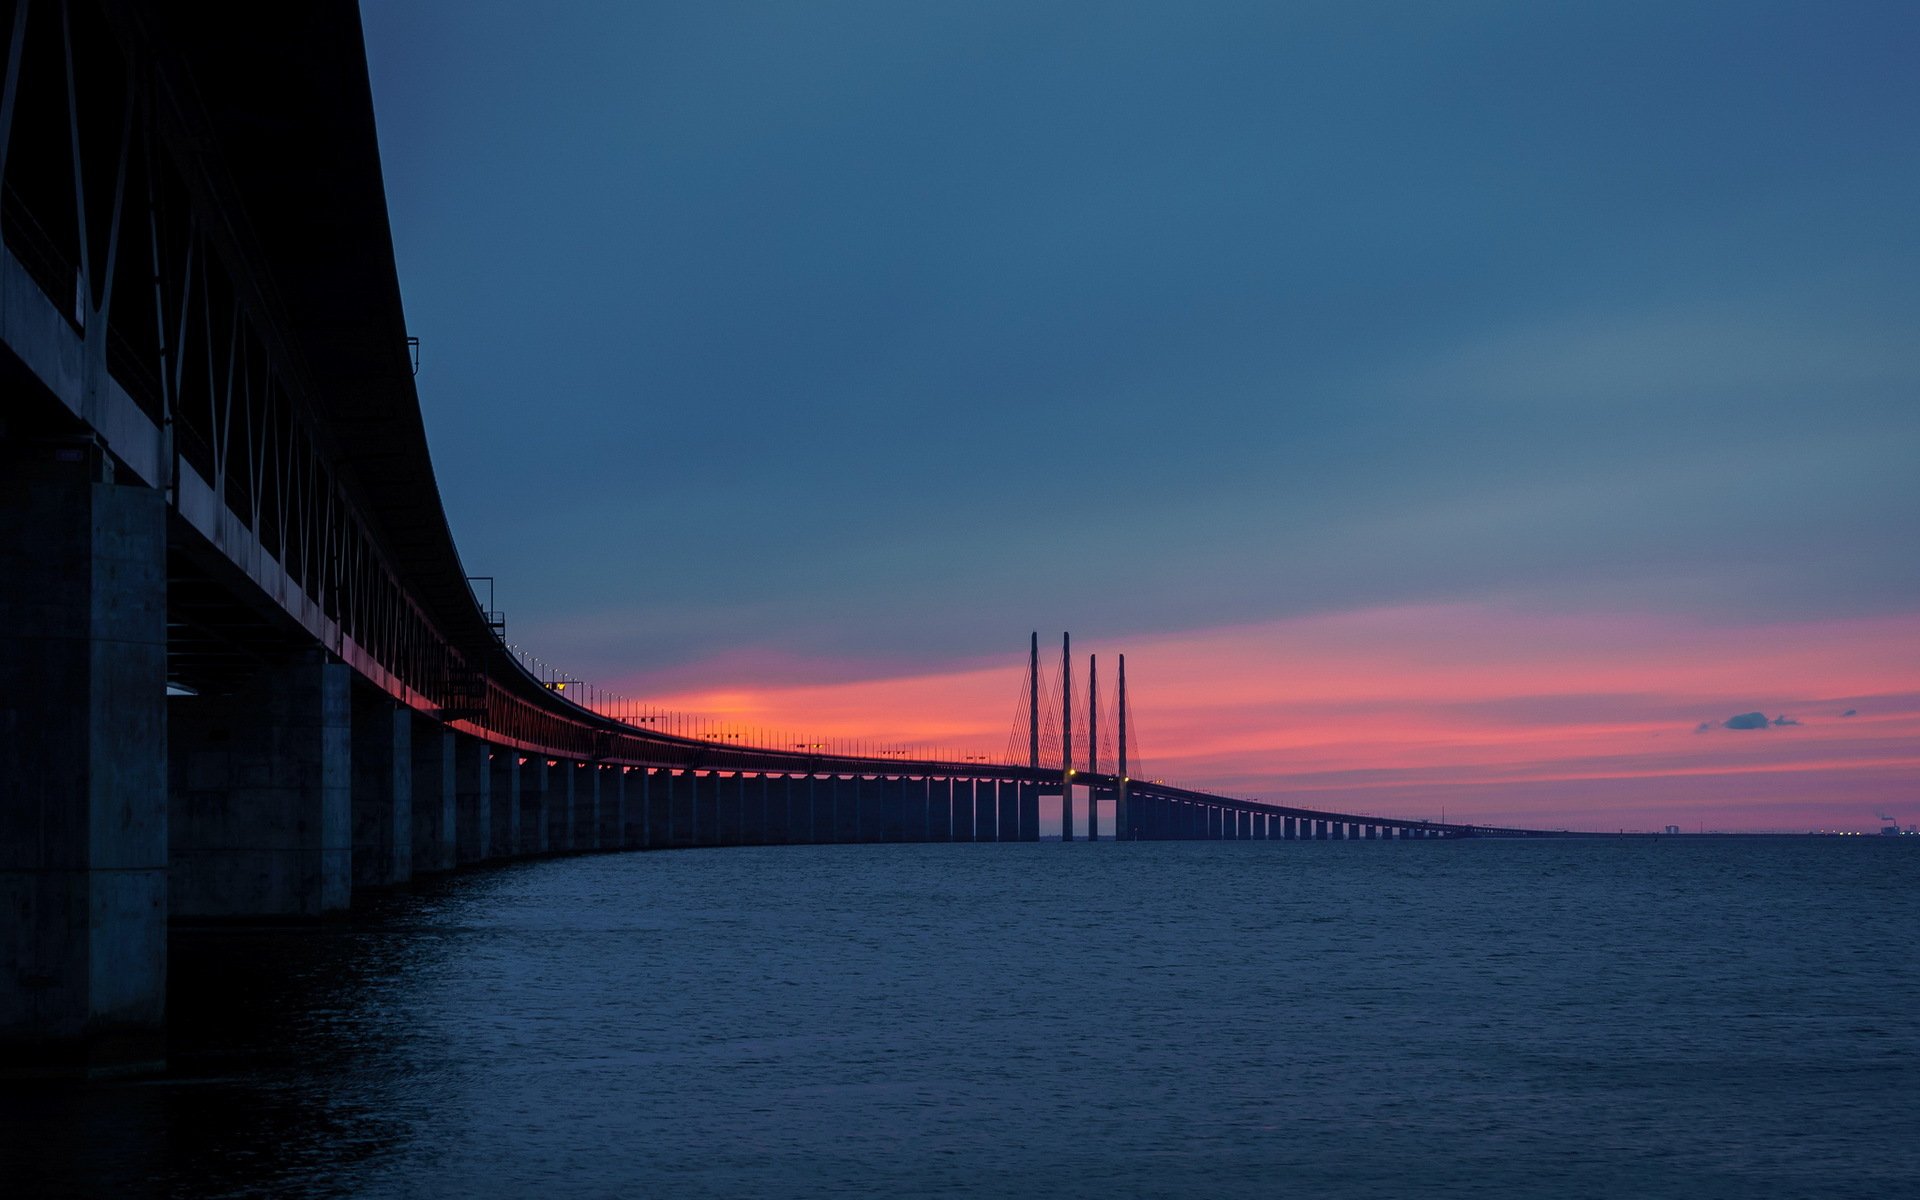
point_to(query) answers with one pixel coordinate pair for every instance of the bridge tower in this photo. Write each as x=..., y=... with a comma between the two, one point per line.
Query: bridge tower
x=1033, y=701
x=1122, y=826
x=1066, y=737
x=1093, y=747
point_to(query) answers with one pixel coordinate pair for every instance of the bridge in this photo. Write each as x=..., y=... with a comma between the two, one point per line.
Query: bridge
x=243, y=672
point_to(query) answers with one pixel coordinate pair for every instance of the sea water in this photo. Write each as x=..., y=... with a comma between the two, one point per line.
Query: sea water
x=1675, y=1017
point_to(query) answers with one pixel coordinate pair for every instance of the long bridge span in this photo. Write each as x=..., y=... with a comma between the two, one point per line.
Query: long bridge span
x=243, y=672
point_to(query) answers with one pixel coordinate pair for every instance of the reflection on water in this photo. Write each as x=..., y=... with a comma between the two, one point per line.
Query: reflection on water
x=1698, y=1019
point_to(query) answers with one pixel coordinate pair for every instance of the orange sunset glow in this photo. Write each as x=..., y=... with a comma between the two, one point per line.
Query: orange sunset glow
x=1495, y=714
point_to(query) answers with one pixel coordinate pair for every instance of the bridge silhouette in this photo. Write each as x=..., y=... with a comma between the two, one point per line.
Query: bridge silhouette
x=243, y=671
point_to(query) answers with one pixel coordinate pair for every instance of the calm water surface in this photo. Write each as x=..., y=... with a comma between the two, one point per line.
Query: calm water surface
x=1674, y=1018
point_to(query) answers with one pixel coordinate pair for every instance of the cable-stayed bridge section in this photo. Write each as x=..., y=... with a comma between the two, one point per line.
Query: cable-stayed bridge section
x=243, y=672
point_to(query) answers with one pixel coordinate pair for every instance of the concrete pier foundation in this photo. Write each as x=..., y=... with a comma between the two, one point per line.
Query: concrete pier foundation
x=1029, y=812
x=846, y=820
x=659, y=809
x=472, y=799
x=726, y=828
x=382, y=765
x=503, y=830
x=434, y=796
x=775, y=788
x=535, y=778
x=633, y=808
x=962, y=810
x=706, y=810
x=585, y=831
x=893, y=809
x=939, y=810
x=261, y=809
x=83, y=771
x=986, y=799
x=818, y=799
x=610, y=805
x=560, y=813
x=1008, y=825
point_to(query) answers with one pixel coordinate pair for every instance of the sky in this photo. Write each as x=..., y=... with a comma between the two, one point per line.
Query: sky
x=1484, y=407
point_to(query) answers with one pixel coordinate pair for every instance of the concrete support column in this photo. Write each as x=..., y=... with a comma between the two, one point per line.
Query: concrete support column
x=775, y=831
x=560, y=814
x=535, y=781
x=83, y=770
x=610, y=803
x=433, y=796
x=939, y=810
x=726, y=821
x=706, y=810
x=503, y=830
x=986, y=813
x=846, y=817
x=382, y=764
x=963, y=802
x=633, y=809
x=808, y=799
x=586, y=807
x=891, y=794
x=1007, y=827
x=261, y=816
x=680, y=810
x=620, y=794
x=917, y=791
x=660, y=812
x=1029, y=812
x=753, y=810
x=472, y=798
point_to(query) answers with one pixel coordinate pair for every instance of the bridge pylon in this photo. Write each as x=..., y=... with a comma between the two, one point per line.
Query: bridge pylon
x=1122, y=818
x=1093, y=747
x=1066, y=737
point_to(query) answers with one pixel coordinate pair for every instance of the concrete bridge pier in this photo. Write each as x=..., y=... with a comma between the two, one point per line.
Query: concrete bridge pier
x=503, y=829
x=535, y=778
x=260, y=814
x=382, y=764
x=1008, y=825
x=844, y=807
x=472, y=798
x=706, y=809
x=892, y=802
x=727, y=801
x=964, y=798
x=633, y=808
x=748, y=805
x=434, y=797
x=872, y=801
x=1029, y=817
x=611, y=830
x=83, y=777
x=806, y=810
x=772, y=811
x=940, y=810
x=659, y=829
x=986, y=799
x=583, y=830
x=560, y=810
x=809, y=802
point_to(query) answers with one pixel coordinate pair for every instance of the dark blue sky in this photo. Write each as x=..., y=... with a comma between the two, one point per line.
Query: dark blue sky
x=875, y=335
